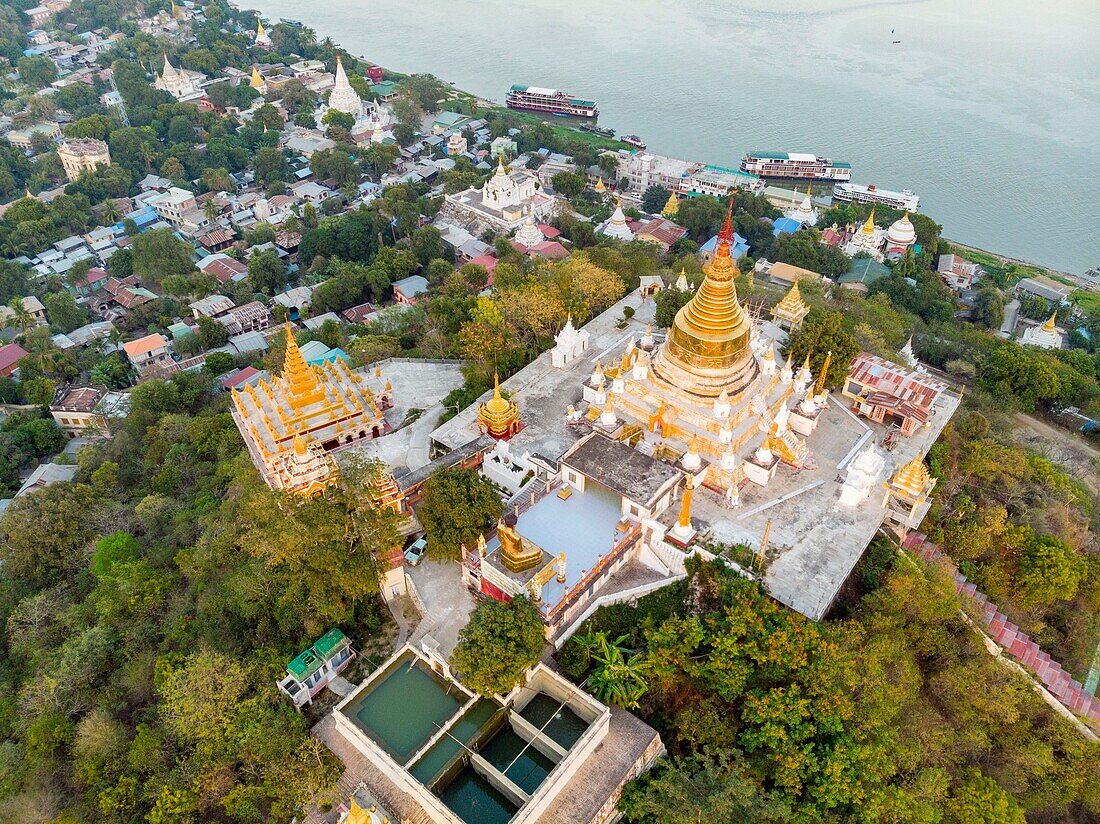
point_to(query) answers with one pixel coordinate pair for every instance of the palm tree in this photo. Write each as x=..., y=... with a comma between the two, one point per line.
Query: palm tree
x=109, y=212
x=23, y=318
x=616, y=678
x=210, y=209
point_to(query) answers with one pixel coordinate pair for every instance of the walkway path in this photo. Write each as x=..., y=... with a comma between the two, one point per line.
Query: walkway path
x=1070, y=694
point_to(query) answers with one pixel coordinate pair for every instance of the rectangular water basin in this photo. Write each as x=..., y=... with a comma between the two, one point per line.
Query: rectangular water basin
x=476, y=801
x=565, y=726
x=405, y=707
x=429, y=765
x=528, y=770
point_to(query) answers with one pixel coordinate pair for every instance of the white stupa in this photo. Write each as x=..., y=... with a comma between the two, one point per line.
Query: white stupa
x=908, y=355
x=1045, y=336
x=343, y=97
x=528, y=234
x=805, y=212
x=901, y=235
x=868, y=238
x=682, y=284
x=616, y=225
x=569, y=344
x=861, y=475
x=262, y=38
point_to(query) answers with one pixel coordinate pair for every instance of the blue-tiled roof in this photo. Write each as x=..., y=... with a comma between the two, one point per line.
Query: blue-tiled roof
x=786, y=224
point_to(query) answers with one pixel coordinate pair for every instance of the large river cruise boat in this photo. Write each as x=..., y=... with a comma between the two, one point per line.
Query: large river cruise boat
x=550, y=101
x=795, y=166
x=854, y=193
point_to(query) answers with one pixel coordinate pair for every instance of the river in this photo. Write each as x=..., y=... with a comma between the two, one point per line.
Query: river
x=988, y=109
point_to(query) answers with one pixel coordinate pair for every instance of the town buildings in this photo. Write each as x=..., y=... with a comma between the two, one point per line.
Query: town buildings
x=81, y=155
x=147, y=352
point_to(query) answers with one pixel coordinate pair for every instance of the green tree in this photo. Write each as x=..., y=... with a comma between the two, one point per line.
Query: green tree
x=158, y=254
x=335, y=117
x=500, y=642
x=270, y=165
x=63, y=312
x=617, y=675
x=823, y=333
x=37, y=72
x=267, y=272
x=979, y=799
x=458, y=506
x=706, y=787
x=568, y=184
x=654, y=199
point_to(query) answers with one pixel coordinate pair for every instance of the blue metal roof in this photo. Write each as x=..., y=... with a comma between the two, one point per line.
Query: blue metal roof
x=786, y=225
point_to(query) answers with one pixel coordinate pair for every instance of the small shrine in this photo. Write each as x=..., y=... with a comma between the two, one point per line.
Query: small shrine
x=861, y=475
x=791, y=311
x=498, y=417
x=908, y=495
x=672, y=206
x=569, y=344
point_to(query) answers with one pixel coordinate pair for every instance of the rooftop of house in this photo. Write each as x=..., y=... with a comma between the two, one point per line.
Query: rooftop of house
x=144, y=345
x=623, y=469
x=80, y=399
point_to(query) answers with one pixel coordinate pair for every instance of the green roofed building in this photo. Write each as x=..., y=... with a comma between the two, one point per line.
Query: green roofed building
x=862, y=273
x=312, y=669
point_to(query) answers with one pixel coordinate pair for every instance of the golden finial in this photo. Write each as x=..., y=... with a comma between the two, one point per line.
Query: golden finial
x=1048, y=324
x=684, y=521
x=824, y=372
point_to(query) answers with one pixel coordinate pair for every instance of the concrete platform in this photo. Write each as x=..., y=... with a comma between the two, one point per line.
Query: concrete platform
x=543, y=392
x=818, y=541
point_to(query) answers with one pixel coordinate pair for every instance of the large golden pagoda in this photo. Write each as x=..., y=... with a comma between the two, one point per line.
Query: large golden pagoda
x=711, y=394
x=290, y=422
x=707, y=349
x=498, y=417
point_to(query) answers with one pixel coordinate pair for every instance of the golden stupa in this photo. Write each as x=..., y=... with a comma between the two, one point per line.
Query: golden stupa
x=498, y=417
x=913, y=482
x=711, y=392
x=707, y=348
x=791, y=310
x=672, y=206
x=257, y=81
x=1048, y=324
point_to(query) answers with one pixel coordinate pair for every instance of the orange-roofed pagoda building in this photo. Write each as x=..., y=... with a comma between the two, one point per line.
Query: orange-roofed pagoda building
x=294, y=422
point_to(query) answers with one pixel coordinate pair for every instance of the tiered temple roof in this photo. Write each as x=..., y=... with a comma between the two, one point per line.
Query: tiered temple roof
x=791, y=310
x=290, y=421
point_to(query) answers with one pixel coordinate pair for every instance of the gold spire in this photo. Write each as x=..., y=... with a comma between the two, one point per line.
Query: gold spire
x=260, y=28
x=711, y=331
x=301, y=380
x=684, y=521
x=1048, y=325
x=599, y=185
x=792, y=308
x=824, y=372
x=869, y=225
x=498, y=416
x=300, y=447
x=257, y=80
x=672, y=206
x=913, y=480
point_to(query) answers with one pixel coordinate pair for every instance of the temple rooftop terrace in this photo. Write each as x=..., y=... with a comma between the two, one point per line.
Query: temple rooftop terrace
x=543, y=391
x=814, y=542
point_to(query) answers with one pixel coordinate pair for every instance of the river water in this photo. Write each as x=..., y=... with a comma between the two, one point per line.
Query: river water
x=988, y=109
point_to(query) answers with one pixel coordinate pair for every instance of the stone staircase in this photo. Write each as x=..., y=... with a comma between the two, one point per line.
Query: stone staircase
x=1009, y=636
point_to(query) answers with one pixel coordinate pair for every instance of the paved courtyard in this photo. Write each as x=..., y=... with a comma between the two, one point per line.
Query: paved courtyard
x=447, y=601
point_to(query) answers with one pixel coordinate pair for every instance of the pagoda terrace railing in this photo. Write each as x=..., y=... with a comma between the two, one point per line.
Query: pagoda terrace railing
x=631, y=538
